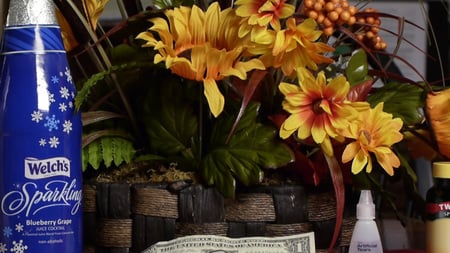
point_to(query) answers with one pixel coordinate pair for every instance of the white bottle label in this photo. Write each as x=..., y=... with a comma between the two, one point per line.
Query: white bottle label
x=372, y=247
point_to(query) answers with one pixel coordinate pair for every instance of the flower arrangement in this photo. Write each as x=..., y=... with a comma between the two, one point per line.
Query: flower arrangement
x=229, y=91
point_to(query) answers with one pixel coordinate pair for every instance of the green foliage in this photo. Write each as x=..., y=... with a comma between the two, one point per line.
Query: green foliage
x=197, y=141
x=402, y=100
x=252, y=147
x=172, y=124
x=94, y=80
x=167, y=4
x=108, y=151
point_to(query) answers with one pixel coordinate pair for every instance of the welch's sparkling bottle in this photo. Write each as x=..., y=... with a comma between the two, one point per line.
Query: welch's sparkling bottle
x=40, y=145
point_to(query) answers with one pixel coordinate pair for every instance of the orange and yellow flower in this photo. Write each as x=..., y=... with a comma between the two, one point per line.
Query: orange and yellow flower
x=259, y=14
x=437, y=104
x=201, y=46
x=374, y=133
x=297, y=46
x=317, y=108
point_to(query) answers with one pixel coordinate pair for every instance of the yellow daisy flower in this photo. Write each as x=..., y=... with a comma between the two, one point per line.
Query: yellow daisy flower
x=297, y=46
x=317, y=108
x=374, y=132
x=259, y=14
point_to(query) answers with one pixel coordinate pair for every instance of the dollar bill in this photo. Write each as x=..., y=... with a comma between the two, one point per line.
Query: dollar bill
x=299, y=243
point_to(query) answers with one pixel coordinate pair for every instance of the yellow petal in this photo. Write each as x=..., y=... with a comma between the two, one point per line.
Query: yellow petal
x=327, y=147
x=317, y=130
x=93, y=10
x=388, y=161
x=325, y=106
x=359, y=162
x=215, y=99
x=284, y=133
x=350, y=152
x=293, y=122
x=304, y=131
x=339, y=87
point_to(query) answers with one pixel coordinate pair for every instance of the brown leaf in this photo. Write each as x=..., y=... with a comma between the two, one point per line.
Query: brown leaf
x=360, y=91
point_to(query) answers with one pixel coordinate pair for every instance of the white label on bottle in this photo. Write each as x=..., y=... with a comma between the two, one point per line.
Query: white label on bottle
x=372, y=247
x=40, y=169
x=29, y=200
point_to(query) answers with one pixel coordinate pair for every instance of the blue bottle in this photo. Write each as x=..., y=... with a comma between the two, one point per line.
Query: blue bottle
x=40, y=136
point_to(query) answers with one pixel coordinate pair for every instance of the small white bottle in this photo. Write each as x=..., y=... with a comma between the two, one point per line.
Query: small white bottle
x=365, y=237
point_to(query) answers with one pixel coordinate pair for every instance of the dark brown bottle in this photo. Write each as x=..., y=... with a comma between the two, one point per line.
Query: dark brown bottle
x=438, y=210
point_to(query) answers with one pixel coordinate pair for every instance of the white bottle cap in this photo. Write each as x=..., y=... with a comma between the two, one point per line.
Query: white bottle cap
x=365, y=209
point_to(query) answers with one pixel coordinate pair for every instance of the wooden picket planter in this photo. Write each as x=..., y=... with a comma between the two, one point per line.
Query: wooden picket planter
x=122, y=218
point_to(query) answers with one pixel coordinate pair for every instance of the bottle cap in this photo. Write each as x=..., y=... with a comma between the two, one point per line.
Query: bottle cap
x=365, y=209
x=441, y=169
x=31, y=12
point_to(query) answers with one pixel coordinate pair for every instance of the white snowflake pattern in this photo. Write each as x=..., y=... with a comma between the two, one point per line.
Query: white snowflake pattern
x=42, y=142
x=70, y=104
x=62, y=107
x=68, y=75
x=67, y=126
x=54, y=142
x=52, y=123
x=19, y=227
x=3, y=248
x=64, y=92
x=51, y=97
x=55, y=79
x=37, y=116
x=7, y=232
x=19, y=247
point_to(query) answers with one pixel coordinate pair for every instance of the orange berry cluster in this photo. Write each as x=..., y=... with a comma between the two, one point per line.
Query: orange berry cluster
x=367, y=30
x=329, y=13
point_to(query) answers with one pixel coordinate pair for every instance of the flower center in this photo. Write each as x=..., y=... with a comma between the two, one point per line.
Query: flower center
x=365, y=137
x=317, y=109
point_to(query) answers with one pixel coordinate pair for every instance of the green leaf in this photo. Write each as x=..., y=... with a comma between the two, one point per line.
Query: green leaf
x=92, y=136
x=171, y=134
x=170, y=122
x=89, y=84
x=342, y=50
x=402, y=100
x=98, y=116
x=253, y=146
x=409, y=170
x=357, y=69
x=124, y=53
x=259, y=143
x=166, y=4
x=108, y=151
x=218, y=175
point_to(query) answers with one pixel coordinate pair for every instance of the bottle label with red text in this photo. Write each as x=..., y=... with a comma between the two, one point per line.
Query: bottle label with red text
x=438, y=210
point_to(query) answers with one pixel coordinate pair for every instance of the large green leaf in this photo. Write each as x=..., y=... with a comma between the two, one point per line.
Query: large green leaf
x=171, y=131
x=216, y=174
x=402, y=100
x=170, y=122
x=252, y=147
